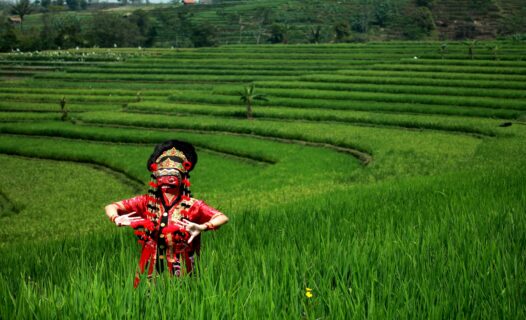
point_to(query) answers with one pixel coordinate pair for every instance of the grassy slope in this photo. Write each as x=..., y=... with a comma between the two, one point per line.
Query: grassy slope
x=431, y=228
x=300, y=18
x=441, y=247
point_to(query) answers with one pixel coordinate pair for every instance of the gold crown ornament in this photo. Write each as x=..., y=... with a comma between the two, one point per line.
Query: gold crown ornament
x=170, y=161
x=172, y=153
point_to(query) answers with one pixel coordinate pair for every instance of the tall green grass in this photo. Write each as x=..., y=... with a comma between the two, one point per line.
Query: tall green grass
x=515, y=69
x=328, y=95
x=448, y=246
x=430, y=227
x=434, y=122
x=359, y=105
x=430, y=79
x=17, y=106
x=393, y=88
x=56, y=97
x=405, y=152
x=270, y=165
x=25, y=116
x=433, y=75
x=149, y=77
x=129, y=161
x=188, y=71
x=460, y=62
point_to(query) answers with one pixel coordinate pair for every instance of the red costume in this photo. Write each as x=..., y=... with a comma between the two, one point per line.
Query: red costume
x=168, y=242
x=165, y=218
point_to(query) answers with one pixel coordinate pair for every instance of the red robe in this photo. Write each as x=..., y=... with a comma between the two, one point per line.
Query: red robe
x=167, y=243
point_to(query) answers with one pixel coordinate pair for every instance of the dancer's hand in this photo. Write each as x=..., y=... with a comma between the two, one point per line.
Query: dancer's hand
x=193, y=229
x=126, y=219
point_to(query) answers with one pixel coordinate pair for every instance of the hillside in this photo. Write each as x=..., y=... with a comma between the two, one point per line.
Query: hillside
x=380, y=180
x=461, y=19
x=276, y=21
x=251, y=21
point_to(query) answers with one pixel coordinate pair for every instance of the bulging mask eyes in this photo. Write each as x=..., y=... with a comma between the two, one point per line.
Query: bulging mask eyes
x=169, y=180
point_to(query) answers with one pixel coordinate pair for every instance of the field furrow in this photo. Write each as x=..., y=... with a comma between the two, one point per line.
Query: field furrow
x=385, y=177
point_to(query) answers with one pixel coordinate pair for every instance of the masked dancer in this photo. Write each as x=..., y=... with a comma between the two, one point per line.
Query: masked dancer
x=167, y=220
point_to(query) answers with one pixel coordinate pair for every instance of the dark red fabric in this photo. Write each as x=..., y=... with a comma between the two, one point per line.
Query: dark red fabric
x=144, y=223
x=137, y=204
x=199, y=213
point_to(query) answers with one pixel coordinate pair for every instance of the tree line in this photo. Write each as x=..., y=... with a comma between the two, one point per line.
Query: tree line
x=62, y=31
x=307, y=21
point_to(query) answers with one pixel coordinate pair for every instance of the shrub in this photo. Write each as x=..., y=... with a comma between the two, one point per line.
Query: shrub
x=419, y=24
x=278, y=33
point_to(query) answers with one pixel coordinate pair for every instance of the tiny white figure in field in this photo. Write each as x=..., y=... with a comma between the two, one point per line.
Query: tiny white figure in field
x=115, y=45
x=415, y=57
x=76, y=48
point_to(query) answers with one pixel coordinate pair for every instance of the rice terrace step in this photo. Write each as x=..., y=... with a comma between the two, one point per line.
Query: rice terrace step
x=375, y=180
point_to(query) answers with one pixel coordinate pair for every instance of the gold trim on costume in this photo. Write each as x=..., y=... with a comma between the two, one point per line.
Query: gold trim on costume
x=176, y=213
x=165, y=167
x=173, y=153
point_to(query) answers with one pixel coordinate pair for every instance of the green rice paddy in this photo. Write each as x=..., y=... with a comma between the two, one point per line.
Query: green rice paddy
x=393, y=187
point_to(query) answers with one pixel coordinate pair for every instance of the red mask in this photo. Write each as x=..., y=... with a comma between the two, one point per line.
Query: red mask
x=169, y=184
x=166, y=182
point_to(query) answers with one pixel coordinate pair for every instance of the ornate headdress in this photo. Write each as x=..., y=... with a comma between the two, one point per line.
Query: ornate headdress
x=172, y=157
x=170, y=161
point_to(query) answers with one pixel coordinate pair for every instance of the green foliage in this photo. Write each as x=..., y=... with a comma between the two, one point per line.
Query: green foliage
x=381, y=182
x=425, y=3
x=471, y=45
x=66, y=31
x=21, y=8
x=420, y=121
x=513, y=24
x=63, y=109
x=177, y=24
x=443, y=50
x=248, y=96
x=341, y=31
x=419, y=24
x=432, y=233
x=27, y=39
x=383, y=12
x=337, y=98
x=73, y=4
x=278, y=33
x=360, y=21
x=110, y=30
x=315, y=35
x=495, y=51
x=8, y=39
x=147, y=26
x=203, y=35
x=281, y=22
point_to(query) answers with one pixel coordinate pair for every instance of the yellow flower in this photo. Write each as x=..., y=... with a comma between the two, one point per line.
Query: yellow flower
x=308, y=289
x=308, y=294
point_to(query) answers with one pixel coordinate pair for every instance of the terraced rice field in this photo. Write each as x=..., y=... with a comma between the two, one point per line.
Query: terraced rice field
x=387, y=178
